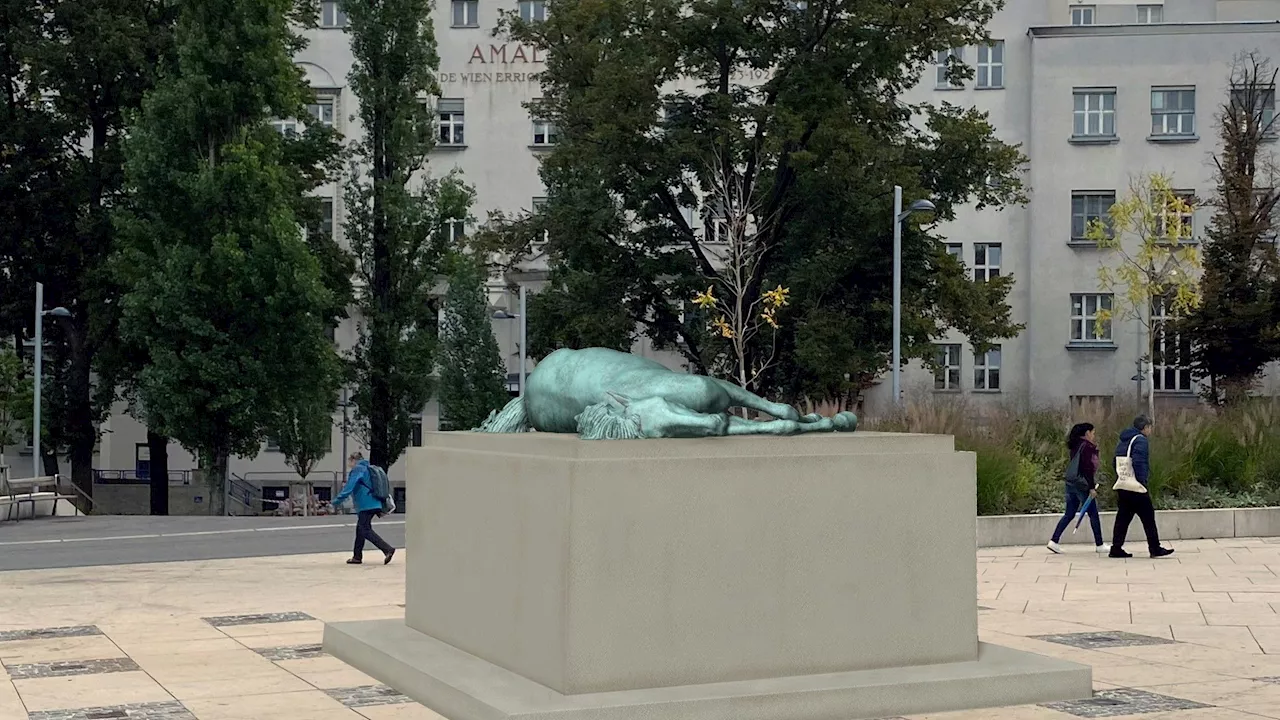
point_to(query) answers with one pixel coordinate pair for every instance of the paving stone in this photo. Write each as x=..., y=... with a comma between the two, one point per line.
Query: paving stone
x=291, y=652
x=138, y=711
x=1115, y=703
x=49, y=633
x=1103, y=639
x=259, y=619
x=368, y=695
x=1275, y=680
x=67, y=668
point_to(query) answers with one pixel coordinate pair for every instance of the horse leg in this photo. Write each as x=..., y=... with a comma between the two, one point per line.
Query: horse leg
x=742, y=426
x=741, y=397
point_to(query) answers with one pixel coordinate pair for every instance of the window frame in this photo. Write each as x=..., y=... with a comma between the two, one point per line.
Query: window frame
x=1188, y=219
x=1165, y=113
x=551, y=134
x=986, y=376
x=984, y=270
x=945, y=371
x=1087, y=323
x=1268, y=119
x=538, y=203
x=1156, y=11
x=1092, y=14
x=991, y=66
x=469, y=8
x=451, y=124
x=1084, y=196
x=1160, y=317
x=941, y=79
x=337, y=20
x=536, y=7
x=1080, y=116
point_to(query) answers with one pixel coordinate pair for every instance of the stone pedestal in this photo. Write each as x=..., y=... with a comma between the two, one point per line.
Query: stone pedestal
x=814, y=577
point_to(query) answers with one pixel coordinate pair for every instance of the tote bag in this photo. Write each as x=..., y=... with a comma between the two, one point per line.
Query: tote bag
x=1125, y=477
x=1072, y=475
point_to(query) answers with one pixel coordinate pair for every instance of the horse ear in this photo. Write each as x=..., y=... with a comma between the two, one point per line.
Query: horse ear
x=617, y=401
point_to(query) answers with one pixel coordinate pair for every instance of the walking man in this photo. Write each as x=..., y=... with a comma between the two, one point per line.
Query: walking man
x=359, y=488
x=1135, y=448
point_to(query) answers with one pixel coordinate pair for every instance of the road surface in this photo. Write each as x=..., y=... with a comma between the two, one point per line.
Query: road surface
x=117, y=540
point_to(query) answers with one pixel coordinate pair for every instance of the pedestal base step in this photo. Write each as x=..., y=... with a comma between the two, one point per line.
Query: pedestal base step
x=461, y=686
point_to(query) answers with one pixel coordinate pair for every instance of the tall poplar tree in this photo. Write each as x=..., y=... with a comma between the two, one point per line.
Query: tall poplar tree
x=473, y=377
x=396, y=220
x=222, y=289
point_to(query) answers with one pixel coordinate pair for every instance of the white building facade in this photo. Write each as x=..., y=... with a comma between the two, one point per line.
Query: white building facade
x=1095, y=92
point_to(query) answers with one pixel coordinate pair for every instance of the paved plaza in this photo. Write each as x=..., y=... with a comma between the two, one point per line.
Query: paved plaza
x=1196, y=636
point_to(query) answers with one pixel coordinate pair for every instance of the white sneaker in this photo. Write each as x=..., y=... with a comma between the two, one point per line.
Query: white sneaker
x=1104, y=549
x=1054, y=547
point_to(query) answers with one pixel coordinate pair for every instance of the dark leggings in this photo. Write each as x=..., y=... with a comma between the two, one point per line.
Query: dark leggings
x=365, y=531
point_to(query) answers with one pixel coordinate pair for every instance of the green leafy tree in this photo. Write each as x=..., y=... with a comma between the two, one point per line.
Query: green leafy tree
x=303, y=426
x=675, y=118
x=1150, y=262
x=222, y=289
x=15, y=400
x=1235, y=331
x=396, y=223
x=473, y=377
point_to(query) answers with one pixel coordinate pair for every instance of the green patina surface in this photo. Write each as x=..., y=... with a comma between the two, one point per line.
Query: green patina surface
x=604, y=394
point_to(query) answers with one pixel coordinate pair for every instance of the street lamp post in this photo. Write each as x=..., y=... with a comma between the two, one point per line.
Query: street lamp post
x=39, y=359
x=504, y=315
x=900, y=216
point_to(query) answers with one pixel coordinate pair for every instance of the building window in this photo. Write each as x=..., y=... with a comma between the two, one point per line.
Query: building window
x=466, y=13
x=539, y=206
x=1182, y=223
x=1085, y=327
x=544, y=133
x=326, y=217
x=956, y=250
x=288, y=128
x=990, y=71
x=1088, y=207
x=322, y=110
x=986, y=261
x=1171, y=353
x=1263, y=105
x=1149, y=14
x=1173, y=111
x=986, y=370
x=1082, y=15
x=331, y=15
x=450, y=115
x=533, y=10
x=1094, y=114
x=942, y=79
x=415, y=430
x=453, y=232
x=947, y=375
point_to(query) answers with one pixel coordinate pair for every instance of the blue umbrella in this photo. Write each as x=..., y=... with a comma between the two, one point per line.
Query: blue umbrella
x=1080, y=517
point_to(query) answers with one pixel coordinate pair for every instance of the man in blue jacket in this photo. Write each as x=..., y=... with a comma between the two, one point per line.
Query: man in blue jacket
x=359, y=488
x=1134, y=443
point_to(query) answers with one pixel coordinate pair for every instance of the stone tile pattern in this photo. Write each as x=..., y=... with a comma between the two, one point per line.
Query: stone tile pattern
x=291, y=652
x=138, y=711
x=68, y=668
x=1115, y=703
x=1105, y=639
x=49, y=633
x=367, y=695
x=259, y=619
x=1271, y=680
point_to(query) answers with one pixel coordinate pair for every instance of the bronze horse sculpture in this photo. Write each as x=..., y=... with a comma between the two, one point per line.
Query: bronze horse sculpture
x=603, y=394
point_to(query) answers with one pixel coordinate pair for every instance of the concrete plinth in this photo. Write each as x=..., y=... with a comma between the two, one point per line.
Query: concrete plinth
x=818, y=576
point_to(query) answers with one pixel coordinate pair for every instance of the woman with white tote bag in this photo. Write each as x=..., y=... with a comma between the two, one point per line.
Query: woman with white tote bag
x=1133, y=468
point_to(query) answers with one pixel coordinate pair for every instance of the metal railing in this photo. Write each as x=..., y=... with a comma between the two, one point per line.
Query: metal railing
x=131, y=477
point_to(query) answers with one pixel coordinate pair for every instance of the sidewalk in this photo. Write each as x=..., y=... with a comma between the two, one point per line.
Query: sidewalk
x=1194, y=637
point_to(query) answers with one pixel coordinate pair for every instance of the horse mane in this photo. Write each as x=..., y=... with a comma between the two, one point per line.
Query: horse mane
x=603, y=421
x=512, y=419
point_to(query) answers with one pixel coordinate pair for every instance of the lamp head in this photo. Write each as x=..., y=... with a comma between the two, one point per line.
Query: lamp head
x=58, y=312
x=922, y=205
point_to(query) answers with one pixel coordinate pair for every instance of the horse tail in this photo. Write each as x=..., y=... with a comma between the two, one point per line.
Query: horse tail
x=511, y=419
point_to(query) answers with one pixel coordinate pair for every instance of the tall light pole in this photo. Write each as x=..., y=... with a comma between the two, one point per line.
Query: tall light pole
x=504, y=315
x=39, y=368
x=899, y=217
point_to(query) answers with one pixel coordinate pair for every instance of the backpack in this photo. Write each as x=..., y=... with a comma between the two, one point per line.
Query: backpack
x=380, y=488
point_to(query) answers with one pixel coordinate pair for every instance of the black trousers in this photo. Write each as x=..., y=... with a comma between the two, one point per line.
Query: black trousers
x=365, y=531
x=1129, y=504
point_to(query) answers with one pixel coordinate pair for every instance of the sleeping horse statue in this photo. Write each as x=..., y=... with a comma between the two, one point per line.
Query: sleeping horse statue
x=603, y=394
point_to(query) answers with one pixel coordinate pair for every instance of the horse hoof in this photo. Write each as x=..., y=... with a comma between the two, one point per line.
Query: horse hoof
x=845, y=421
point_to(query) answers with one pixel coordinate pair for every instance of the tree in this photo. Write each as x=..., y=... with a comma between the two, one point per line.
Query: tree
x=473, y=377
x=303, y=426
x=792, y=110
x=15, y=400
x=1156, y=268
x=222, y=289
x=1235, y=331
x=396, y=223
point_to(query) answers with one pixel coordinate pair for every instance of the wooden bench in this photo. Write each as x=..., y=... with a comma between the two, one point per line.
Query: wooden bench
x=14, y=492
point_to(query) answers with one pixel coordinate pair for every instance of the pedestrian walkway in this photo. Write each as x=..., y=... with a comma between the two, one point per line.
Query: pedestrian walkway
x=1192, y=637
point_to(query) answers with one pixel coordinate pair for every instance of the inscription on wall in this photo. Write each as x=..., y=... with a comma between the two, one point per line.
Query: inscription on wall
x=498, y=63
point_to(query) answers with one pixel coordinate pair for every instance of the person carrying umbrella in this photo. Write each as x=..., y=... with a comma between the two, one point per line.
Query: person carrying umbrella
x=1081, y=485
